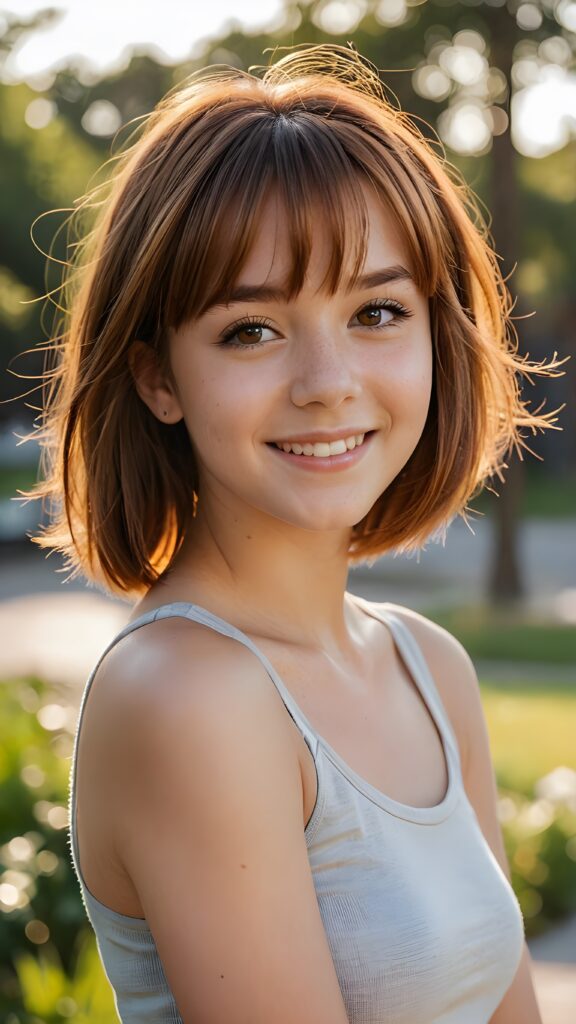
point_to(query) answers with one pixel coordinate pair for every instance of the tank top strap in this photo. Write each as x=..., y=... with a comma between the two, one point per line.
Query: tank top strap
x=416, y=664
x=195, y=613
x=186, y=610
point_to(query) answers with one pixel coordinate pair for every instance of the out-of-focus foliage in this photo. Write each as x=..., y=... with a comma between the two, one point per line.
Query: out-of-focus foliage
x=39, y=898
x=540, y=842
x=50, y=995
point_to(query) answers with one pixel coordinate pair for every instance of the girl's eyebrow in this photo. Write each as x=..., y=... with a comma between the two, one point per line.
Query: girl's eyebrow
x=274, y=293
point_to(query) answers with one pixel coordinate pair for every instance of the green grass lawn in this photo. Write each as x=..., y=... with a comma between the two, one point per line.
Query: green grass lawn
x=532, y=729
x=498, y=635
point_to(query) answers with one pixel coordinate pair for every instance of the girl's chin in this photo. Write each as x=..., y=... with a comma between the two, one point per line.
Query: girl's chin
x=322, y=523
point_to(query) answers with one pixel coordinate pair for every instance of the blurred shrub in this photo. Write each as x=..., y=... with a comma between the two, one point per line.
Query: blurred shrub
x=540, y=841
x=50, y=996
x=41, y=911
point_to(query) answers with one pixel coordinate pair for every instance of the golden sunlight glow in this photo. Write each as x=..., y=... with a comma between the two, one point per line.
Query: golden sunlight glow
x=544, y=114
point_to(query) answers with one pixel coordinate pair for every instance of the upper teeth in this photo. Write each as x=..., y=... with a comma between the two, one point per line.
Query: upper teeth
x=323, y=449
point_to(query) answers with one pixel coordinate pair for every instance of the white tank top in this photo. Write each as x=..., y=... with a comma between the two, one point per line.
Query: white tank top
x=422, y=923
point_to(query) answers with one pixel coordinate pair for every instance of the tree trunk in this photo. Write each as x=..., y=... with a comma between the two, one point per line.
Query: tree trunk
x=505, y=582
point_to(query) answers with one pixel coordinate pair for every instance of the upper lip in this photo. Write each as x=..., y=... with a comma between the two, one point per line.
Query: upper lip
x=319, y=436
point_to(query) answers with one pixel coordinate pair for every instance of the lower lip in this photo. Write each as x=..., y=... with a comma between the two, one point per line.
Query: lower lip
x=330, y=463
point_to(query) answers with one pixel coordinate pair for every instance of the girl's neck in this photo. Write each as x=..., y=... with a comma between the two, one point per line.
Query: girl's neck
x=280, y=584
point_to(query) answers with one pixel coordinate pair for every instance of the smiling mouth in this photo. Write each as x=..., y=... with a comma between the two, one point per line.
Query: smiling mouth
x=322, y=449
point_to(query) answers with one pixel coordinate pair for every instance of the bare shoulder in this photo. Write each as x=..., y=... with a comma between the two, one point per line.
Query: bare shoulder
x=453, y=672
x=177, y=677
x=172, y=689
x=178, y=658
x=178, y=693
x=209, y=828
x=435, y=641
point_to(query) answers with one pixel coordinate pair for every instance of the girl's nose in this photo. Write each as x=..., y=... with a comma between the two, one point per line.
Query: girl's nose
x=324, y=370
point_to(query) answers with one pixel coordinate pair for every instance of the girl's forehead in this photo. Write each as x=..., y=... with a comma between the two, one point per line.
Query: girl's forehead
x=270, y=257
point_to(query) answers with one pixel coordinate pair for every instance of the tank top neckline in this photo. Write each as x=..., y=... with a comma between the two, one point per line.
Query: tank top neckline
x=414, y=662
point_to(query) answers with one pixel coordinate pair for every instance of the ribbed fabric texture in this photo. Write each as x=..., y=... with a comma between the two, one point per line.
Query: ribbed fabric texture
x=423, y=925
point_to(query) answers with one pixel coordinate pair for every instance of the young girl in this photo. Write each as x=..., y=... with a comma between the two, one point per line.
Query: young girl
x=290, y=351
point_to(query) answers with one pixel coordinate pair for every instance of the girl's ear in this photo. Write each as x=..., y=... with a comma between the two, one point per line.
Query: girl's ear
x=151, y=383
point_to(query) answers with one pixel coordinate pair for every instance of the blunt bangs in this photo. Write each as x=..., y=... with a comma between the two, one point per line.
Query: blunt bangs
x=313, y=183
x=313, y=168
x=314, y=180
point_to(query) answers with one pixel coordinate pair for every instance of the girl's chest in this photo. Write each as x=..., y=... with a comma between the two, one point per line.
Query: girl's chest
x=422, y=924
x=381, y=727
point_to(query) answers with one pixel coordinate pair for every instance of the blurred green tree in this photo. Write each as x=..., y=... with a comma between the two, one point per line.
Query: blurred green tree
x=44, y=165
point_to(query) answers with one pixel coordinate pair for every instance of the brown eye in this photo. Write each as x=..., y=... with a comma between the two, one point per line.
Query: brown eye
x=249, y=334
x=372, y=315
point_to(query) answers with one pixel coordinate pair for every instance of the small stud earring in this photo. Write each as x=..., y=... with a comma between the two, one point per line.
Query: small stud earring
x=165, y=412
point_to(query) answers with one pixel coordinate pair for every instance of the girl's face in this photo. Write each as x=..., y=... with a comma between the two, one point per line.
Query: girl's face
x=353, y=370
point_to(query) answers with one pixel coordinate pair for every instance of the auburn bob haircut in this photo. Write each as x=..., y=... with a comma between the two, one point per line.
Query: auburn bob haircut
x=171, y=237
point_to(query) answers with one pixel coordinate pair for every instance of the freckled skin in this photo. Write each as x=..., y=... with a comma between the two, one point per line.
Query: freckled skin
x=317, y=368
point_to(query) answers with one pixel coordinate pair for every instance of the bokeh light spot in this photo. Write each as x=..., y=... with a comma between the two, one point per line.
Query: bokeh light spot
x=58, y=817
x=471, y=39
x=32, y=776
x=8, y=895
x=500, y=120
x=466, y=128
x=337, y=16
x=464, y=64
x=52, y=717
x=47, y=862
x=20, y=849
x=555, y=50
x=544, y=114
x=528, y=17
x=101, y=118
x=39, y=113
x=566, y=14
x=391, y=12
x=37, y=932
x=431, y=82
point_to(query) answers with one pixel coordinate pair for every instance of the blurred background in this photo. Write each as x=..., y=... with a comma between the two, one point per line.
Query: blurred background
x=494, y=82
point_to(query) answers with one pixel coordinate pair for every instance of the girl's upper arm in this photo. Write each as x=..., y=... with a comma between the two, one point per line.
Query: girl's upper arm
x=210, y=830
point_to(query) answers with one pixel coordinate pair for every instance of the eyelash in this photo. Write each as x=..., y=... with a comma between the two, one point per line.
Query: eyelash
x=257, y=321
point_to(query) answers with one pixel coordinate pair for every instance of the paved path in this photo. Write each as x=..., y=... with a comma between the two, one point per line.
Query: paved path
x=554, y=973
